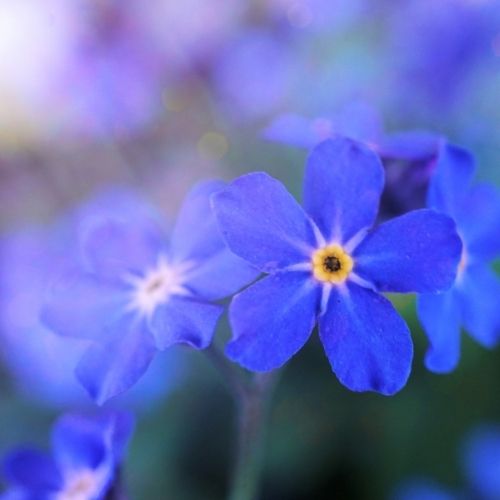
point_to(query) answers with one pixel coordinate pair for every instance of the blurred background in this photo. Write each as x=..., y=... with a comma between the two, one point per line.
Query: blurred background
x=155, y=95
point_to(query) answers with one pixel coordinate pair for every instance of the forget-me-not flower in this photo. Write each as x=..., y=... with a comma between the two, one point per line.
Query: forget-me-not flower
x=140, y=292
x=86, y=454
x=40, y=362
x=326, y=264
x=474, y=300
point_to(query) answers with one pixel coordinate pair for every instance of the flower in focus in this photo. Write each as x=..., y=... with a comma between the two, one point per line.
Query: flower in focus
x=473, y=301
x=138, y=293
x=86, y=455
x=325, y=264
x=41, y=363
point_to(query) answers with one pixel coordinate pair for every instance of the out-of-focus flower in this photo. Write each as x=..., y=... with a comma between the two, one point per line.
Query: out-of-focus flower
x=139, y=293
x=42, y=363
x=189, y=41
x=86, y=455
x=315, y=15
x=325, y=264
x=480, y=454
x=253, y=75
x=114, y=74
x=474, y=300
x=438, y=49
x=481, y=460
x=408, y=157
x=100, y=68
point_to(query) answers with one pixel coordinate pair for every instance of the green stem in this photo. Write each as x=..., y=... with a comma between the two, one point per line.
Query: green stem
x=253, y=412
x=235, y=378
x=252, y=397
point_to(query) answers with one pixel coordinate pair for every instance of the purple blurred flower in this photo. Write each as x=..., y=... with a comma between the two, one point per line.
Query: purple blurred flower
x=356, y=120
x=86, y=455
x=316, y=15
x=474, y=300
x=438, y=48
x=253, y=75
x=114, y=79
x=325, y=264
x=139, y=293
x=42, y=363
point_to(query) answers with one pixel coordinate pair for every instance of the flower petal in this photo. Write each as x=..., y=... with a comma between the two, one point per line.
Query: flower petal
x=416, y=252
x=78, y=442
x=110, y=368
x=262, y=223
x=411, y=145
x=114, y=248
x=196, y=234
x=440, y=317
x=121, y=425
x=453, y=173
x=32, y=469
x=214, y=271
x=479, y=294
x=366, y=340
x=184, y=321
x=220, y=276
x=272, y=320
x=479, y=221
x=342, y=188
x=292, y=129
x=80, y=305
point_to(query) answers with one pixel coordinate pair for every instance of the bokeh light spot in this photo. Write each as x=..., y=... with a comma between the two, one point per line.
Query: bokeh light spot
x=212, y=145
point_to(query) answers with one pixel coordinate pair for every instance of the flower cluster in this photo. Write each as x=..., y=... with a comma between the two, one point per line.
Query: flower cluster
x=327, y=263
x=86, y=455
x=127, y=287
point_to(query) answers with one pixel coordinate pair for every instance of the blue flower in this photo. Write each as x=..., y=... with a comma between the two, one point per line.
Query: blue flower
x=325, y=264
x=139, y=293
x=86, y=454
x=473, y=301
x=41, y=363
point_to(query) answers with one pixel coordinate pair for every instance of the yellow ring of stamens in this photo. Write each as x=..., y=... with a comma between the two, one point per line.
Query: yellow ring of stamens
x=331, y=264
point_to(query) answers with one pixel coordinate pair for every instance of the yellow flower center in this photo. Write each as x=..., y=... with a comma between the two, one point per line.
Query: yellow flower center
x=332, y=264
